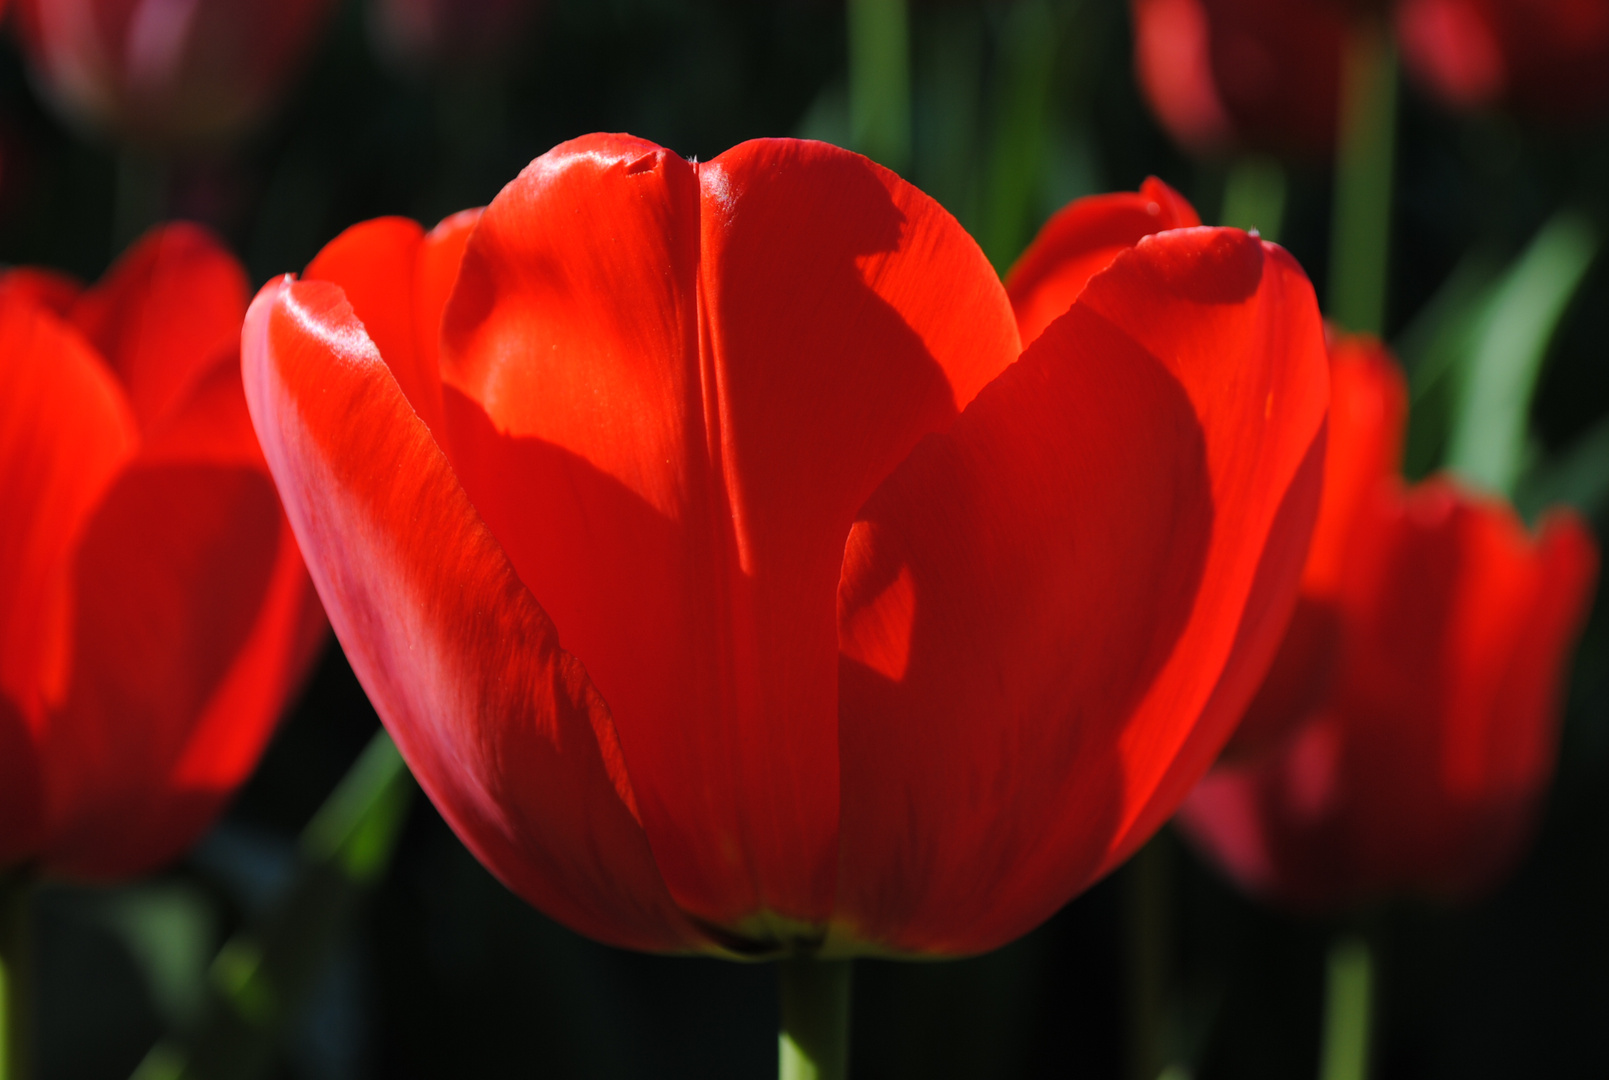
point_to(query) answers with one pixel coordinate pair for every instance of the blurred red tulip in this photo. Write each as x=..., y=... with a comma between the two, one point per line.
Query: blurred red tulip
x=448, y=33
x=1549, y=58
x=154, y=611
x=1225, y=75
x=1407, y=731
x=875, y=638
x=167, y=72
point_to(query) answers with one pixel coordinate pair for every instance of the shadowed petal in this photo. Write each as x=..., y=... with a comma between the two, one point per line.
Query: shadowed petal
x=1081, y=241
x=502, y=727
x=165, y=315
x=65, y=432
x=1051, y=617
x=669, y=389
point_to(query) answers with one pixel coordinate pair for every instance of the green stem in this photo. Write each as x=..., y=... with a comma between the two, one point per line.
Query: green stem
x=1361, y=224
x=262, y=974
x=16, y=979
x=1348, y=1008
x=1254, y=196
x=880, y=81
x=1025, y=59
x=814, y=1041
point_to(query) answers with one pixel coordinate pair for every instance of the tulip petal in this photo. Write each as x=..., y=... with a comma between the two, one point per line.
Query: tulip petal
x=1080, y=241
x=195, y=621
x=398, y=278
x=502, y=727
x=670, y=388
x=1425, y=765
x=1368, y=415
x=165, y=315
x=50, y=289
x=65, y=432
x=1051, y=616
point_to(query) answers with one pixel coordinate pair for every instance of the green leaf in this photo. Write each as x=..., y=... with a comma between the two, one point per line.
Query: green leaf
x=880, y=81
x=1487, y=439
x=1254, y=196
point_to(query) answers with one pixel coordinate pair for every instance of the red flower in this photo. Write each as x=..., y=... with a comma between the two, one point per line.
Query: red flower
x=1243, y=74
x=730, y=584
x=1406, y=733
x=167, y=71
x=1548, y=57
x=154, y=611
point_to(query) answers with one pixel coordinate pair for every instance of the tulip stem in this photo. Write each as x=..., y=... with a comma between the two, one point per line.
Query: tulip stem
x=814, y=1041
x=16, y=979
x=880, y=81
x=1361, y=222
x=1254, y=196
x=1348, y=1011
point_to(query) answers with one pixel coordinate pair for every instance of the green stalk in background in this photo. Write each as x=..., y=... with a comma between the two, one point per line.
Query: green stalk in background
x=1361, y=223
x=16, y=979
x=1254, y=196
x=1487, y=440
x=1348, y=1011
x=814, y=1041
x=263, y=974
x=1025, y=64
x=880, y=81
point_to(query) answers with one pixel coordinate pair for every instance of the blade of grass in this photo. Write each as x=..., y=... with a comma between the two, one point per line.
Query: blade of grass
x=1487, y=438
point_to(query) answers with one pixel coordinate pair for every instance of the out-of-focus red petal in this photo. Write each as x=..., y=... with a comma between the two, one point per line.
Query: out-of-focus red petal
x=49, y=289
x=1423, y=768
x=670, y=389
x=1173, y=66
x=165, y=315
x=1051, y=617
x=1247, y=74
x=190, y=637
x=1368, y=416
x=65, y=433
x=1081, y=241
x=1548, y=58
x=171, y=573
x=502, y=727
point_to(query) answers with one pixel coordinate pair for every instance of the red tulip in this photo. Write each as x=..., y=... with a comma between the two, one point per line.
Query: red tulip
x=1548, y=57
x=167, y=71
x=433, y=33
x=1226, y=75
x=1406, y=746
x=154, y=611
x=728, y=582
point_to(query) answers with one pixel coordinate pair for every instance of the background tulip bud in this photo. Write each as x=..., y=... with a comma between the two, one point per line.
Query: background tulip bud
x=1414, y=757
x=167, y=72
x=155, y=616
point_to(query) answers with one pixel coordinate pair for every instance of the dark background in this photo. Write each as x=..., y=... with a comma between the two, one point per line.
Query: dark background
x=447, y=974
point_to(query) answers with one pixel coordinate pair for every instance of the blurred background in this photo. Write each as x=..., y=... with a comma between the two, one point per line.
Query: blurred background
x=1014, y=108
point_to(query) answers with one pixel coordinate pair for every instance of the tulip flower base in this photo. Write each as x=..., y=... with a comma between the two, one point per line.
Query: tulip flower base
x=15, y=976
x=813, y=1043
